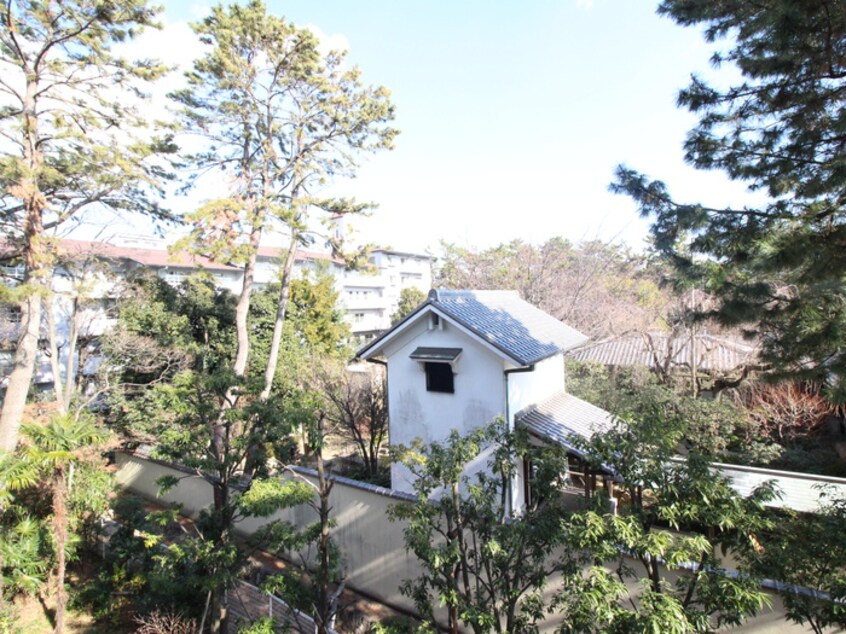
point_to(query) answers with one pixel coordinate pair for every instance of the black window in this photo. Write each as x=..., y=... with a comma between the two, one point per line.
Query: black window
x=439, y=377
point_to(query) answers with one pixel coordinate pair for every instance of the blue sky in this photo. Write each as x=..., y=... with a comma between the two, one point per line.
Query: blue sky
x=513, y=115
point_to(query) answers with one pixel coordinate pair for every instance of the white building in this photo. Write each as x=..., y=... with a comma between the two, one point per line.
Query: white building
x=368, y=298
x=371, y=297
x=463, y=358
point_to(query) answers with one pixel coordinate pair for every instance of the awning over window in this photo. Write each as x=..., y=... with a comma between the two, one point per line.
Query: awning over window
x=439, y=355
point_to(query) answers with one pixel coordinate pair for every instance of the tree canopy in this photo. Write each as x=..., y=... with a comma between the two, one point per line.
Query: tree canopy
x=777, y=267
x=600, y=289
x=69, y=119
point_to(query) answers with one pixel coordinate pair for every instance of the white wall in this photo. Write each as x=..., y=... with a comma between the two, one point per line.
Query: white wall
x=530, y=388
x=416, y=413
x=372, y=547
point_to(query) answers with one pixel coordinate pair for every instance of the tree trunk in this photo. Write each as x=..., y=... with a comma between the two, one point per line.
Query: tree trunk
x=72, y=368
x=60, y=533
x=243, y=308
x=218, y=611
x=276, y=340
x=55, y=367
x=324, y=609
x=219, y=608
x=37, y=264
x=22, y=372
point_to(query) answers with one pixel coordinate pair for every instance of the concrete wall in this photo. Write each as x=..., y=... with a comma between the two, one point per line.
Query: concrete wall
x=373, y=547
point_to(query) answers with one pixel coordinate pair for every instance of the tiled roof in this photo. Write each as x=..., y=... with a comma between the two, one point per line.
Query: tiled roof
x=713, y=354
x=302, y=255
x=514, y=326
x=144, y=257
x=162, y=257
x=562, y=416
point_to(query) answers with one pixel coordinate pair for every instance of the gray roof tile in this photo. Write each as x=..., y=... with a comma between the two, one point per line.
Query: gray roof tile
x=562, y=416
x=713, y=354
x=512, y=325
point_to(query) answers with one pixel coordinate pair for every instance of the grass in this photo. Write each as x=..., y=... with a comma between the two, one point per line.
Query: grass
x=36, y=618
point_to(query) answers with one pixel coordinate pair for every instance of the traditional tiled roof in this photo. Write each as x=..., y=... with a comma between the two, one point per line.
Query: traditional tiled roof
x=514, y=326
x=711, y=353
x=563, y=416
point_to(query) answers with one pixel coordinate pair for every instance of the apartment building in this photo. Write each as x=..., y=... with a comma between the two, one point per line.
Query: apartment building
x=367, y=297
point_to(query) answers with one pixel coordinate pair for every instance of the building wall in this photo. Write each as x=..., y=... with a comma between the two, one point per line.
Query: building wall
x=530, y=388
x=372, y=547
x=414, y=412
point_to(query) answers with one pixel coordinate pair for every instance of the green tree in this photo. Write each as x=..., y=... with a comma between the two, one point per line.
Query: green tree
x=180, y=406
x=66, y=110
x=488, y=564
x=778, y=267
x=313, y=320
x=706, y=515
x=409, y=299
x=806, y=552
x=720, y=429
x=281, y=121
x=53, y=454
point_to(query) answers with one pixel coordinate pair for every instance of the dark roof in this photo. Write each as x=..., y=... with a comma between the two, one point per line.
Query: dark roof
x=408, y=254
x=712, y=353
x=435, y=354
x=562, y=416
x=511, y=325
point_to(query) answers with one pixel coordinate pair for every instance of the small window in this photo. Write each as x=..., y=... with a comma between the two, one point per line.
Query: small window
x=439, y=377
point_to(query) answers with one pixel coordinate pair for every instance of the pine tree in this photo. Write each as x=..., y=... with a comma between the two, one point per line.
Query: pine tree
x=69, y=129
x=778, y=268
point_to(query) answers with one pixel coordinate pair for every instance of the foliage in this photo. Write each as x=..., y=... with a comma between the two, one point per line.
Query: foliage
x=264, y=625
x=409, y=299
x=49, y=455
x=777, y=267
x=717, y=428
x=140, y=575
x=485, y=562
x=25, y=555
x=806, y=552
x=707, y=516
x=400, y=625
x=195, y=423
x=599, y=289
x=314, y=323
x=165, y=337
x=357, y=409
x=69, y=116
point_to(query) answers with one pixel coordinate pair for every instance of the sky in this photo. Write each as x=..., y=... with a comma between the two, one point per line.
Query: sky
x=513, y=115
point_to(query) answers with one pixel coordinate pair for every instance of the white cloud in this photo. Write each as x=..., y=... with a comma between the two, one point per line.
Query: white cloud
x=333, y=42
x=584, y=4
